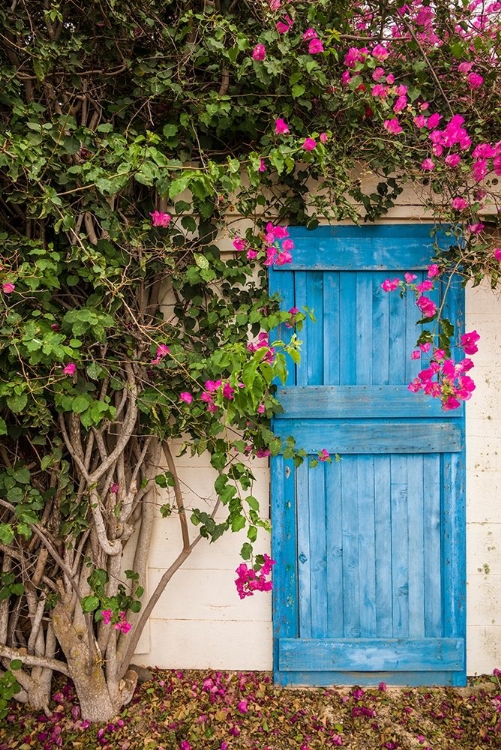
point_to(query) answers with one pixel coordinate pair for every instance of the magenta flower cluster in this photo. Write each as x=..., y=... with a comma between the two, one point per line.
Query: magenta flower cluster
x=121, y=623
x=443, y=378
x=248, y=580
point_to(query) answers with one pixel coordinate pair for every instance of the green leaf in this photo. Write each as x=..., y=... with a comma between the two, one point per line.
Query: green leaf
x=3, y=427
x=201, y=260
x=237, y=523
x=80, y=404
x=6, y=533
x=17, y=402
x=15, y=664
x=90, y=604
x=298, y=90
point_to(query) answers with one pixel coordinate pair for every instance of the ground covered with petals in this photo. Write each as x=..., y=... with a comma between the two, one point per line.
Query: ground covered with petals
x=189, y=710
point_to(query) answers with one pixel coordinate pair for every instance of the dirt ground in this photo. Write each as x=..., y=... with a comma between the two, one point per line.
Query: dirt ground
x=193, y=710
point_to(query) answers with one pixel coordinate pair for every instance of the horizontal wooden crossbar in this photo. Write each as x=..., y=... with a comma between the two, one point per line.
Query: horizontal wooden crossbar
x=359, y=401
x=360, y=436
x=371, y=654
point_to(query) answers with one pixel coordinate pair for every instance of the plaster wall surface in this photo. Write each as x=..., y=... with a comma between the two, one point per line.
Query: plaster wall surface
x=201, y=623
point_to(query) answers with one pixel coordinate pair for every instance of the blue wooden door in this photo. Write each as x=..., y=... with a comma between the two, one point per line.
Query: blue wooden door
x=369, y=584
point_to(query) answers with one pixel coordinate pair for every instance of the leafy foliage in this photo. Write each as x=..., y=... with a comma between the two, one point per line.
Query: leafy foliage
x=133, y=135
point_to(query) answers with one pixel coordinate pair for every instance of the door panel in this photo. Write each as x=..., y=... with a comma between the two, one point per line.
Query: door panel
x=369, y=581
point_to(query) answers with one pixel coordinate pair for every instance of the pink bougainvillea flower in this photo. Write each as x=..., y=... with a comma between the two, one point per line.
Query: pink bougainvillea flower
x=114, y=488
x=8, y=287
x=309, y=144
x=438, y=354
x=475, y=80
x=243, y=706
x=400, y=104
x=283, y=258
x=476, y=228
x=425, y=347
x=186, y=397
x=122, y=624
x=497, y=253
x=323, y=137
x=425, y=286
x=278, y=232
x=275, y=4
x=389, y=285
x=262, y=166
x=480, y=169
x=70, y=369
x=452, y=160
x=377, y=74
x=281, y=127
x=323, y=455
x=420, y=121
x=228, y=391
x=427, y=306
x=261, y=409
x=315, y=47
x=212, y=385
x=450, y=403
x=433, y=121
x=427, y=165
x=393, y=126
x=106, y=614
x=469, y=342
x=459, y=204
x=263, y=453
x=433, y=271
x=287, y=245
x=345, y=78
x=416, y=354
x=160, y=219
x=251, y=254
x=379, y=90
x=310, y=34
x=283, y=26
x=465, y=67
x=410, y=277
x=380, y=52
x=259, y=52
x=390, y=79
x=239, y=244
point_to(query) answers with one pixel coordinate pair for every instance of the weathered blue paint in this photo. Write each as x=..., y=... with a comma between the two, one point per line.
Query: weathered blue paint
x=370, y=550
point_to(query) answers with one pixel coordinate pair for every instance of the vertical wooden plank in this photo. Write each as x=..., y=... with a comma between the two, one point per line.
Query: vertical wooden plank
x=400, y=545
x=416, y=547
x=303, y=550
x=454, y=550
x=366, y=547
x=351, y=585
x=412, y=333
x=283, y=285
x=318, y=551
x=332, y=343
x=380, y=332
x=314, y=336
x=398, y=344
x=334, y=538
x=432, y=545
x=283, y=541
x=364, y=349
x=347, y=328
x=383, y=544
x=301, y=300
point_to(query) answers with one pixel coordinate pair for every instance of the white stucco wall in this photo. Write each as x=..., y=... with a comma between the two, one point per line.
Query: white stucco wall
x=483, y=488
x=200, y=621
